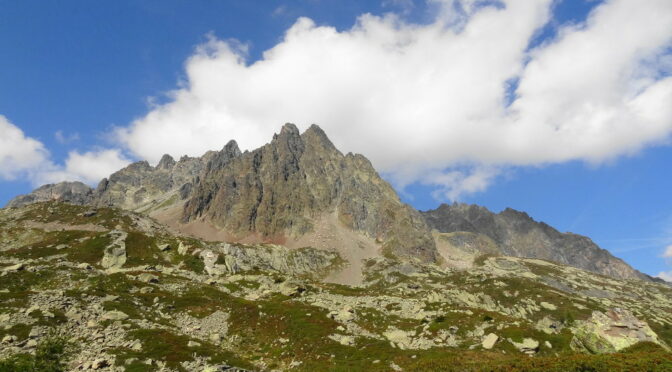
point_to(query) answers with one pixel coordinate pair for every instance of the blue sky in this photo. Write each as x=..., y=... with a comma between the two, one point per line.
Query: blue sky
x=88, y=83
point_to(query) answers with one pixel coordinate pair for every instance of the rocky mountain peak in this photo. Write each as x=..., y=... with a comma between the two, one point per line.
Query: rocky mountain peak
x=298, y=184
x=167, y=162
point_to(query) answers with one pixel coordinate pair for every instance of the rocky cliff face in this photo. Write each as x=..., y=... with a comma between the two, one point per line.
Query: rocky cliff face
x=144, y=188
x=292, y=186
x=514, y=233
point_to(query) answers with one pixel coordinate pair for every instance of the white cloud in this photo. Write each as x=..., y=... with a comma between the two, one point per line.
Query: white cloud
x=89, y=167
x=668, y=252
x=27, y=158
x=65, y=139
x=19, y=155
x=420, y=99
x=665, y=275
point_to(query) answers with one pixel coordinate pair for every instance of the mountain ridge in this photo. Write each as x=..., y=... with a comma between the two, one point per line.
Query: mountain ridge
x=300, y=190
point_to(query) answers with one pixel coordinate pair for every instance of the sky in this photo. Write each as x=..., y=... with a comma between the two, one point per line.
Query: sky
x=560, y=108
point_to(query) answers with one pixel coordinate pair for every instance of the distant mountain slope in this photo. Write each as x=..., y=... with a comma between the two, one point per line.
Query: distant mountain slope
x=67, y=192
x=516, y=234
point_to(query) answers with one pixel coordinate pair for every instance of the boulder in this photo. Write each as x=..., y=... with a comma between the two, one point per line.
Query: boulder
x=609, y=332
x=182, y=248
x=489, y=341
x=115, y=315
x=14, y=268
x=528, y=346
x=148, y=278
x=114, y=256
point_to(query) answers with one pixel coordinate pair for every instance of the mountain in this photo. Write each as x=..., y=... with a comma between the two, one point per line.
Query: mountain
x=299, y=190
x=514, y=233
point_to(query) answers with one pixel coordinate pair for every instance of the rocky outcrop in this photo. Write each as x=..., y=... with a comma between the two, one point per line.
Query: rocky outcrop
x=114, y=255
x=231, y=259
x=612, y=331
x=514, y=233
x=67, y=192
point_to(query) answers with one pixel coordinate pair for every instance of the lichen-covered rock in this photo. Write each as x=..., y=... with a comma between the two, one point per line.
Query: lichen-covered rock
x=114, y=256
x=610, y=332
x=238, y=258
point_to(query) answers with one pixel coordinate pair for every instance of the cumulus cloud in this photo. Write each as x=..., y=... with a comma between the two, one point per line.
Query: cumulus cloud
x=19, y=155
x=665, y=275
x=668, y=252
x=27, y=158
x=89, y=167
x=424, y=100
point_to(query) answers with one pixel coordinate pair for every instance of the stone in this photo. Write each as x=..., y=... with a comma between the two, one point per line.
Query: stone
x=489, y=341
x=529, y=346
x=34, y=333
x=100, y=364
x=8, y=339
x=182, y=248
x=193, y=344
x=136, y=346
x=148, y=278
x=215, y=338
x=114, y=315
x=548, y=306
x=32, y=309
x=291, y=288
x=114, y=256
x=14, y=268
x=164, y=247
x=343, y=339
x=89, y=213
x=31, y=343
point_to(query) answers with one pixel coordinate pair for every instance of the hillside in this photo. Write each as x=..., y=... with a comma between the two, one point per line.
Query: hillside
x=128, y=293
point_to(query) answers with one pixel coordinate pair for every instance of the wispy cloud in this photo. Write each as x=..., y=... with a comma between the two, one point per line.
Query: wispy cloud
x=65, y=139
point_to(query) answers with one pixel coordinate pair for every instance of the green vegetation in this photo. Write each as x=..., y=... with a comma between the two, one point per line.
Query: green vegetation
x=141, y=250
x=159, y=344
x=50, y=356
x=90, y=250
